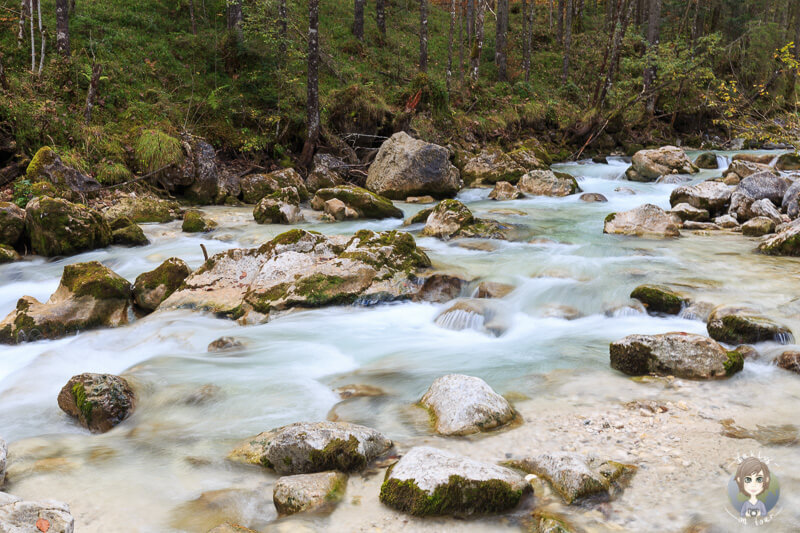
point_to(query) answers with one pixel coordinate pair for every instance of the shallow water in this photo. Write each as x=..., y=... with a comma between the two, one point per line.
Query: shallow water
x=140, y=476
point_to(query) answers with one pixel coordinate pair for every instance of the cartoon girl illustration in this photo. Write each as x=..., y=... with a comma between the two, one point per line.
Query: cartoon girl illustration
x=752, y=477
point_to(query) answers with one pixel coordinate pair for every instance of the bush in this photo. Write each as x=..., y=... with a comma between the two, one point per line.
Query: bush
x=155, y=149
x=110, y=173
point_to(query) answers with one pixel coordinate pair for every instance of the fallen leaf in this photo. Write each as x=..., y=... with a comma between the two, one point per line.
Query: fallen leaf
x=42, y=525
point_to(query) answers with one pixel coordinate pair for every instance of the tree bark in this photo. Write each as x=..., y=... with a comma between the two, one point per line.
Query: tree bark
x=91, y=96
x=423, y=35
x=477, y=45
x=283, y=28
x=191, y=15
x=526, y=40
x=450, y=43
x=358, y=19
x=501, y=36
x=460, y=41
x=560, y=22
x=3, y=80
x=33, y=40
x=41, y=36
x=62, y=27
x=567, y=42
x=235, y=17
x=622, y=19
x=380, y=14
x=24, y=9
x=695, y=22
x=653, y=34
x=470, y=22
x=312, y=85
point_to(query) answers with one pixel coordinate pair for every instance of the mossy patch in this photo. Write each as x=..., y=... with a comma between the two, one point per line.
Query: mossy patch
x=366, y=203
x=95, y=280
x=195, y=222
x=131, y=235
x=45, y=156
x=155, y=149
x=660, y=299
x=84, y=406
x=734, y=363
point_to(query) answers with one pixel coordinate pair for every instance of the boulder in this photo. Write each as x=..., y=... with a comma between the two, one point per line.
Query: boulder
x=58, y=227
x=12, y=224
x=492, y=165
x=743, y=168
x=305, y=492
x=8, y=254
x=143, y=209
x=89, y=296
x=427, y=482
x=593, y=197
x=688, y=212
x=405, y=167
x=787, y=360
x=660, y=299
x=700, y=226
x=98, y=401
x=305, y=448
x=420, y=218
x=303, y=269
x=785, y=242
x=791, y=200
x=764, y=185
x=649, y=165
x=461, y=405
x=257, y=186
x=129, y=236
x=427, y=199
x=225, y=344
x=503, y=190
x=576, y=477
x=440, y=288
x=279, y=207
x=741, y=325
x=731, y=179
x=712, y=196
x=790, y=161
x=451, y=219
x=3, y=457
x=726, y=221
x=758, y=227
x=548, y=183
x=645, y=221
x=338, y=210
x=707, y=160
x=325, y=172
x=152, y=288
x=765, y=209
x=206, y=178
x=19, y=516
x=47, y=166
x=492, y=289
x=682, y=355
x=195, y=222
x=761, y=159
x=365, y=203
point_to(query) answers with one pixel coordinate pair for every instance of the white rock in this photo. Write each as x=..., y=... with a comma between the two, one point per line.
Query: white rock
x=465, y=404
x=18, y=516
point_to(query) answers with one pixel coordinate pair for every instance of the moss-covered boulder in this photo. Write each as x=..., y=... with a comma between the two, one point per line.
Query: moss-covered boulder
x=12, y=224
x=306, y=447
x=758, y=227
x=683, y=355
x=98, y=401
x=152, y=288
x=427, y=482
x=785, y=242
x=89, y=296
x=366, y=203
x=279, y=207
x=8, y=254
x=142, y=209
x=306, y=492
x=741, y=325
x=790, y=161
x=645, y=221
x=649, y=165
x=707, y=160
x=129, y=236
x=195, y=222
x=47, y=166
x=326, y=172
x=548, y=183
x=451, y=219
x=58, y=227
x=576, y=477
x=461, y=405
x=491, y=166
x=257, y=186
x=660, y=299
x=420, y=218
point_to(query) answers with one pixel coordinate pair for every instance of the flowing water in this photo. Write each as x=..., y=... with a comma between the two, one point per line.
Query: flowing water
x=194, y=406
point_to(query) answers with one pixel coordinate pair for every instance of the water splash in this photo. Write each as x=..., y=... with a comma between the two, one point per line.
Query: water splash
x=458, y=320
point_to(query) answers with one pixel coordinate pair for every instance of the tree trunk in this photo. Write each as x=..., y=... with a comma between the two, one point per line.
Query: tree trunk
x=423, y=35
x=477, y=46
x=695, y=22
x=450, y=43
x=283, y=28
x=460, y=41
x=62, y=27
x=235, y=17
x=358, y=19
x=791, y=90
x=526, y=40
x=312, y=104
x=560, y=22
x=3, y=80
x=24, y=9
x=191, y=15
x=91, y=96
x=622, y=19
x=380, y=14
x=41, y=36
x=33, y=39
x=470, y=22
x=653, y=33
x=500, y=40
x=567, y=42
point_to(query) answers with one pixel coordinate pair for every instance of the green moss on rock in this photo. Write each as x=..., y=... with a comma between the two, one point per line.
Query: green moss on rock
x=195, y=222
x=95, y=280
x=59, y=227
x=659, y=299
x=130, y=236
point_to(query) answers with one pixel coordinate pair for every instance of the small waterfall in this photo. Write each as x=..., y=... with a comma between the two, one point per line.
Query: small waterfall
x=723, y=162
x=459, y=319
x=784, y=338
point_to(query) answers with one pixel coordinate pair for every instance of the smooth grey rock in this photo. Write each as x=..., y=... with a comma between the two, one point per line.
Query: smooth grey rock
x=791, y=200
x=649, y=165
x=726, y=221
x=462, y=405
x=548, y=183
x=764, y=185
x=18, y=516
x=689, y=212
x=305, y=492
x=645, y=221
x=712, y=196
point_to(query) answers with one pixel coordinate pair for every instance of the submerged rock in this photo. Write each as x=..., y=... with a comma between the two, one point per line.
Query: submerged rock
x=304, y=448
x=129, y=236
x=741, y=325
x=711, y=196
x=429, y=482
x=576, y=477
x=548, y=183
x=98, y=401
x=787, y=360
x=12, y=224
x=503, y=190
x=645, y=221
x=195, y=222
x=58, y=227
x=649, y=165
x=365, y=203
x=493, y=289
x=451, y=219
x=461, y=405
x=224, y=344
x=305, y=492
x=682, y=355
x=19, y=516
x=89, y=296
x=660, y=299
x=405, y=167
x=707, y=160
x=279, y=207
x=480, y=315
x=152, y=288
x=593, y=197
x=440, y=288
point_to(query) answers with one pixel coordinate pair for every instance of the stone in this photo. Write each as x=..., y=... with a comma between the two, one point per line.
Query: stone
x=757, y=227
x=707, y=160
x=726, y=221
x=761, y=159
x=660, y=299
x=19, y=516
x=645, y=221
x=764, y=185
x=129, y=236
x=420, y=218
x=503, y=190
x=58, y=227
x=492, y=165
x=143, y=209
x=492, y=289
x=257, y=186
x=791, y=200
x=89, y=296
x=787, y=360
x=3, y=459
x=649, y=165
x=548, y=183
x=731, y=179
x=673, y=179
x=790, y=161
x=47, y=166
x=12, y=224
x=427, y=199
x=688, y=212
x=306, y=270
x=195, y=222
x=576, y=477
x=358, y=391
x=697, y=311
x=8, y=254
x=785, y=242
x=427, y=482
x=682, y=355
x=744, y=168
x=593, y=197
x=461, y=405
x=225, y=344
x=405, y=167
x=306, y=492
x=98, y=401
x=451, y=219
x=742, y=325
x=440, y=288
x=279, y=207
x=711, y=196
x=152, y=288
x=325, y=172
x=625, y=190
x=701, y=226
x=305, y=448
x=199, y=177
x=365, y=203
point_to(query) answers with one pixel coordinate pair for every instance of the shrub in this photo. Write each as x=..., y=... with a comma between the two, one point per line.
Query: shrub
x=155, y=149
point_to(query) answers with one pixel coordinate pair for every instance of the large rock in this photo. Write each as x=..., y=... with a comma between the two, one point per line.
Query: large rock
x=451, y=219
x=305, y=448
x=279, y=207
x=764, y=185
x=682, y=355
x=98, y=401
x=303, y=269
x=649, y=165
x=576, y=477
x=660, y=299
x=741, y=325
x=409, y=167
x=195, y=222
x=12, y=224
x=785, y=242
x=89, y=296
x=326, y=172
x=743, y=168
x=257, y=186
x=707, y=160
x=140, y=209
x=18, y=516
x=765, y=209
x=366, y=203
x=688, y=212
x=790, y=161
x=757, y=227
x=712, y=196
x=491, y=166
x=503, y=190
x=131, y=235
x=58, y=227
x=200, y=163
x=305, y=492
x=548, y=183
x=46, y=165
x=645, y=221
x=152, y=288
x=791, y=200
x=428, y=482
x=461, y=405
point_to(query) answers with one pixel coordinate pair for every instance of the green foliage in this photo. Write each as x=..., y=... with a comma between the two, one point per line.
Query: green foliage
x=155, y=150
x=23, y=192
x=110, y=173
